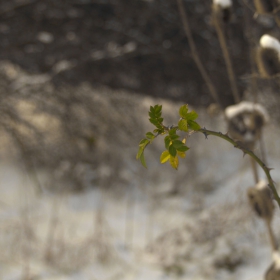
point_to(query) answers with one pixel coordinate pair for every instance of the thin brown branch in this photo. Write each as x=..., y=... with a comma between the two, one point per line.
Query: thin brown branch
x=272, y=238
x=195, y=55
x=255, y=170
x=239, y=146
x=16, y=5
x=221, y=36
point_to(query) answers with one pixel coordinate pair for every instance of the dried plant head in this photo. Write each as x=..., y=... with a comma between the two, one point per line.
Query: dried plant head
x=264, y=6
x=245, y=122
x=260, y=200
x=221, y=10
x=268, y=56
x=273, y=272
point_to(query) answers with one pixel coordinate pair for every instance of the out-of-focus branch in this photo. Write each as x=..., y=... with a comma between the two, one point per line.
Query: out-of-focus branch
x=195, y=54
x=220, y=32
x=25, y=158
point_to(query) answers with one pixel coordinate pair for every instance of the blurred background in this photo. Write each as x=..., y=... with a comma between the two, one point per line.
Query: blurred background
x=77, y=79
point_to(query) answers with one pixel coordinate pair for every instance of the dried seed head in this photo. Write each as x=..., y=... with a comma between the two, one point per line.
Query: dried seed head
x=268, y=56
x=263, y=6
x=245, y=122
x=270, y=42
x=276, y=259
x=260, y=199
x=273, y=272
x=222, y=10
x=223, y=3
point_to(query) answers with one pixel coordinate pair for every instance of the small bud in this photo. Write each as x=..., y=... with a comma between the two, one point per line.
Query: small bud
x=245, y=122
x=273, y=272
x=260, y=199
x=268, y=56
x=222, y=10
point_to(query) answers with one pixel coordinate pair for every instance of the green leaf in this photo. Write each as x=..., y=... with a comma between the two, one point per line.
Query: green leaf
x=142, y=145
x=144, y=142
x=177, y=144
x=152, y=115
x=174, y=137
x=172, y=150
x=192, y=116
x=159, y=131
x=181, y=154
x=150, y=135
x=164, y=157
x=158, y=109
x=183, y=111
x=172, y=131
x=154, y=121
x=142, y=159
x=140, y=152
x=183, y=149
x=174, y=162
x=194, y=125
x=167, y=141
x=152, y=109
x=183, y=125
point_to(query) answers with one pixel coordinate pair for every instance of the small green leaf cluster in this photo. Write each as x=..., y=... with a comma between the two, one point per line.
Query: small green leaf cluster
x=175, y=147
x=156, y=119
x=187, y=120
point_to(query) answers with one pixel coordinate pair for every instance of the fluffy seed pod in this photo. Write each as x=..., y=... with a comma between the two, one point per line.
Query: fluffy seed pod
x=268, y=56
x=245, y=122
x=222, y=10
x=264, y=6
x=261, y=201
x=273, y=272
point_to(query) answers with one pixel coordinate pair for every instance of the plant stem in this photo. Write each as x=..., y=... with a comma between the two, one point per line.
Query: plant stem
x=218, y=25
x=195, y=55
x=272, y=239
x=255, y=170
x=239, y=146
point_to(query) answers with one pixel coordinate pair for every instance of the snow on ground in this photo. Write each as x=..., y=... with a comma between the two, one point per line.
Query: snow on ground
x=140, y=232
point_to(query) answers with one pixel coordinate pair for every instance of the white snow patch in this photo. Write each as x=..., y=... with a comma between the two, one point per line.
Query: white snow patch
x=269, y=42
x=223, y=3
x=246, y=107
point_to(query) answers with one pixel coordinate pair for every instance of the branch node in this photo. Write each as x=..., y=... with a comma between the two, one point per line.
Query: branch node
x=205, y=133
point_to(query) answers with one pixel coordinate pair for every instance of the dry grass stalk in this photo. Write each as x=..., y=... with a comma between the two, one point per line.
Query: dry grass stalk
x=221, y=12
x=54, y=220
x=263, y=6
x=195, y=54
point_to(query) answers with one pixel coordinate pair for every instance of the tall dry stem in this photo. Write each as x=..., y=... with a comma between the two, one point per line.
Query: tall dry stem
x=195, y=54
x=219, y=26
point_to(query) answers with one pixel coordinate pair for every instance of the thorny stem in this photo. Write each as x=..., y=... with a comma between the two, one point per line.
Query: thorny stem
x=239, y=146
